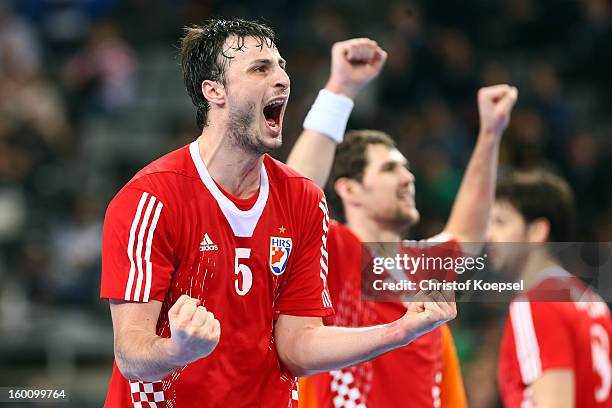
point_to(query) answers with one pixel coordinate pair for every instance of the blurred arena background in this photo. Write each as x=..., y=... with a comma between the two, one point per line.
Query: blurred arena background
x=90, y=91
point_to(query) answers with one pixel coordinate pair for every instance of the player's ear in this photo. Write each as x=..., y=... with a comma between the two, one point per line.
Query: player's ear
x=214, y=92
x=347, y=190
x=538, y=230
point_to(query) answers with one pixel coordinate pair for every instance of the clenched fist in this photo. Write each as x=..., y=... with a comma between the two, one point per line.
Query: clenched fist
x=428, y=310
x=495, y=104
x=354, y=64
x=194, y=330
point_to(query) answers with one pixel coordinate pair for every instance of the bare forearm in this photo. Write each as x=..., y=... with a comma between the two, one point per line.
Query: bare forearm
x=470, y=213
x=313, y=156
x=326, y=348
x=144, y=356
x=313, y=153
x=555, y=388
x=305, y=346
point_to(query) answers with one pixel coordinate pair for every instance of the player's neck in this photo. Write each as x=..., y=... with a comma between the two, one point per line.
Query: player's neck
x=235, y=171
x=368, y=230
x=537, y=262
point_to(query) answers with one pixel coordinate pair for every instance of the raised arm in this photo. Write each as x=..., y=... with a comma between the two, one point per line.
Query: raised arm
x=307, y=347
x=470, y=213
x=354, y=64
x=142, y=355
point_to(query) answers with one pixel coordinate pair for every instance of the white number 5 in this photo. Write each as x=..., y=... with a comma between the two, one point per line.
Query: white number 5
x=600, y=354
x=247, y=275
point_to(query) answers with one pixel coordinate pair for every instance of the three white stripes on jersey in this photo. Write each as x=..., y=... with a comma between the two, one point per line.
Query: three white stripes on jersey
x=143, y=224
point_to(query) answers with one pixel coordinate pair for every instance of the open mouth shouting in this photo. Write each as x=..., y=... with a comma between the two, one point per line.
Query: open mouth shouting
x=273, y=113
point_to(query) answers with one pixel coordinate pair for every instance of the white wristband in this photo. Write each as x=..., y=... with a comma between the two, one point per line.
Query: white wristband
x=329, y=115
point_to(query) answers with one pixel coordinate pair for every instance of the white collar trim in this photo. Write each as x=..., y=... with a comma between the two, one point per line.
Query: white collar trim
x=242, y=222
x=554, y=271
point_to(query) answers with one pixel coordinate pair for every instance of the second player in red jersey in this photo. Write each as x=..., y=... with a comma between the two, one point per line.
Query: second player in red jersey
x=377, y=191
x=377, y=383
x=555, y=350
x=571, y=334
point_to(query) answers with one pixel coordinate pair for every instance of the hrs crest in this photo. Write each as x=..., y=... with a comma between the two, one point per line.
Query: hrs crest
x=280, y=249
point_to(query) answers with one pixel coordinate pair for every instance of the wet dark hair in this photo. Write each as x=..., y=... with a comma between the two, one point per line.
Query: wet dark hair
x=203, y=57
x=540, y=194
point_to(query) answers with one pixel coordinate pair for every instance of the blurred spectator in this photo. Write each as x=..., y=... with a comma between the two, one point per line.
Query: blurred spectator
x=458, y=80
x=75, y=255
x=19, y=46
x=545, y=90
x=524, y=142
x=590, y=39
x=100, y=76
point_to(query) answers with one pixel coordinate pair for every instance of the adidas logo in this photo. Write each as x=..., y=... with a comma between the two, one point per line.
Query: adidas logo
x=207, y=244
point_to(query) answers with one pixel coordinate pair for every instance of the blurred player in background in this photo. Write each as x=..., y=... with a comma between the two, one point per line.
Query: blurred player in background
x=556, y=351
x=218, y=226
x=377, y=190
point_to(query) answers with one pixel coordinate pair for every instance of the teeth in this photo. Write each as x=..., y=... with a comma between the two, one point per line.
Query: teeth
x=276, y=102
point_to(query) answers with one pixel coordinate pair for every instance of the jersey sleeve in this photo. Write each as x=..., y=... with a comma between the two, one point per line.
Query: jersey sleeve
x=136, y=251
x=541, y=338
x=305, y=292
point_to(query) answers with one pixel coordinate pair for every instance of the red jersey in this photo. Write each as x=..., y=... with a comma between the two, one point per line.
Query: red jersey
x=409, y=376
x=574, y=334
x=171, y=231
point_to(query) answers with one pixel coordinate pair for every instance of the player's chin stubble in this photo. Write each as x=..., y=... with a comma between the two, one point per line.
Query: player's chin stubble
x=243, y=133
x=405, y=219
